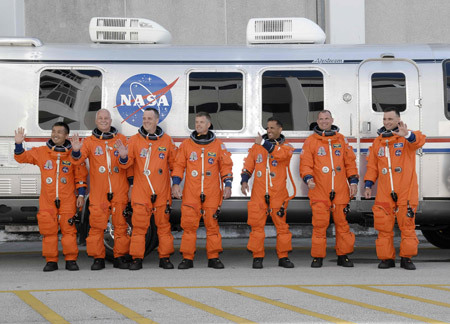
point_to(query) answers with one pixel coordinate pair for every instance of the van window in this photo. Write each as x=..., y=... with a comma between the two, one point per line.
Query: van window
x=221, y=95
x=447, y=88
x=70, y=96
x=292, y=97
x=388, y=90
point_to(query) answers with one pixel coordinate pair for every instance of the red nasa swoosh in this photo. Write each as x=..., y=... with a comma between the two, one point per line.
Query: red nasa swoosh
x=159, y=92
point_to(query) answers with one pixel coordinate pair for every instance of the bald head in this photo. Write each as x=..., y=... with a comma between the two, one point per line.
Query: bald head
x=103, y=120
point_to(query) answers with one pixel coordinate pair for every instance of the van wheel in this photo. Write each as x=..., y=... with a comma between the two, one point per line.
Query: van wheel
x=83, y=225
x=439, y=237
x=151, y=238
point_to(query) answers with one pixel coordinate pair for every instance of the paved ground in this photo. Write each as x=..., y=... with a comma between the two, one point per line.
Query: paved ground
x=236, y=294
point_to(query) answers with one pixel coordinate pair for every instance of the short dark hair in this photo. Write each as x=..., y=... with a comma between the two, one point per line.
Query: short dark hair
x=324, y=111
x=62, y=124
x=273, y=119
x=155, y=111
x=204, y=114
x=389, y=109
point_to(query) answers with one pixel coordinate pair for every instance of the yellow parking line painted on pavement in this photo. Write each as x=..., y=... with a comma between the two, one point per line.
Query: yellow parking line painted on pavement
x=437, y=287
x=206, y=308
x=296, y=309
x=364, y=305
x=387, y=292
x=138, y=318
x=40, y=307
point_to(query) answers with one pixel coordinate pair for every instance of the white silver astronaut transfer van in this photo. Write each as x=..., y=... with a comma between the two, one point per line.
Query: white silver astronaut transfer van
x=276, y=74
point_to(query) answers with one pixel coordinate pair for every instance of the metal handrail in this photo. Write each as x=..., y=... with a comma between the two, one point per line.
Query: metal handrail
x=20, y=41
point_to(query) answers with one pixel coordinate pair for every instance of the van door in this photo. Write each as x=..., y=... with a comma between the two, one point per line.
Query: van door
x=386, y=83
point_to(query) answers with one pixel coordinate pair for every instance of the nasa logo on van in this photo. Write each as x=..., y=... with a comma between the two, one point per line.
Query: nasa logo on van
x=143, y=91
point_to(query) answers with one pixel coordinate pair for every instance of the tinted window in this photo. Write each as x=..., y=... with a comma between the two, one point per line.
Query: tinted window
x=71, y=96
x=447, y=88
x=293, y=97
x=220, y=94
x=388, y=90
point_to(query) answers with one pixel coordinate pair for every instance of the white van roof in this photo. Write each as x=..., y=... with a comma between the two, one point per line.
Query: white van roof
x=252, y=53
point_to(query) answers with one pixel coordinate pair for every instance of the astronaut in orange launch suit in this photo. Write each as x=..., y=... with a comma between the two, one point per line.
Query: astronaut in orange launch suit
x=57, y=200
x=109, y=190
x=151, y=153
x=208, y=164
x=328, y=167
x=392, y=161
x=268, y=161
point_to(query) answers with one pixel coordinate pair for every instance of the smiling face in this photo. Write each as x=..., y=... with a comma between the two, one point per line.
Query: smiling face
x=103, y=120
x=273, y=130
x=150, y=121
x=202, y=125
x=390, y=120
x=325, y=121
x=59, y=135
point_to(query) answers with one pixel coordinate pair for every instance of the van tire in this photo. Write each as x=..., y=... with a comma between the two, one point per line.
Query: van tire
x=151, y=238
x=439, y=237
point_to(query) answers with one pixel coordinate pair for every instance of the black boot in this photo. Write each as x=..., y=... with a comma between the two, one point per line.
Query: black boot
x=165, y=263
x=98, y=264
x=285, y=263
x=121, y=262
x=215, y=263
x=257, y=263
x=186, y=264
x=386, y=264
x=136, y=264
x=344, y=261
x=72, y=265
x=316, y=263
x=51, y=266
x=406, y=263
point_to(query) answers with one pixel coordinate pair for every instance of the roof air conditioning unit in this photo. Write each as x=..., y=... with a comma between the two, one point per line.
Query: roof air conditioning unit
x=284, y=31
x=127, y=30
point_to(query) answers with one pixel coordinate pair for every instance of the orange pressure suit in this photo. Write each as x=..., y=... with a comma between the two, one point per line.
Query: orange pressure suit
x=269, y=163
x=329, y=159
x=59, y=178
x=402, y=155
x=206, y=161
x=152, y=157
x=108, y=194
